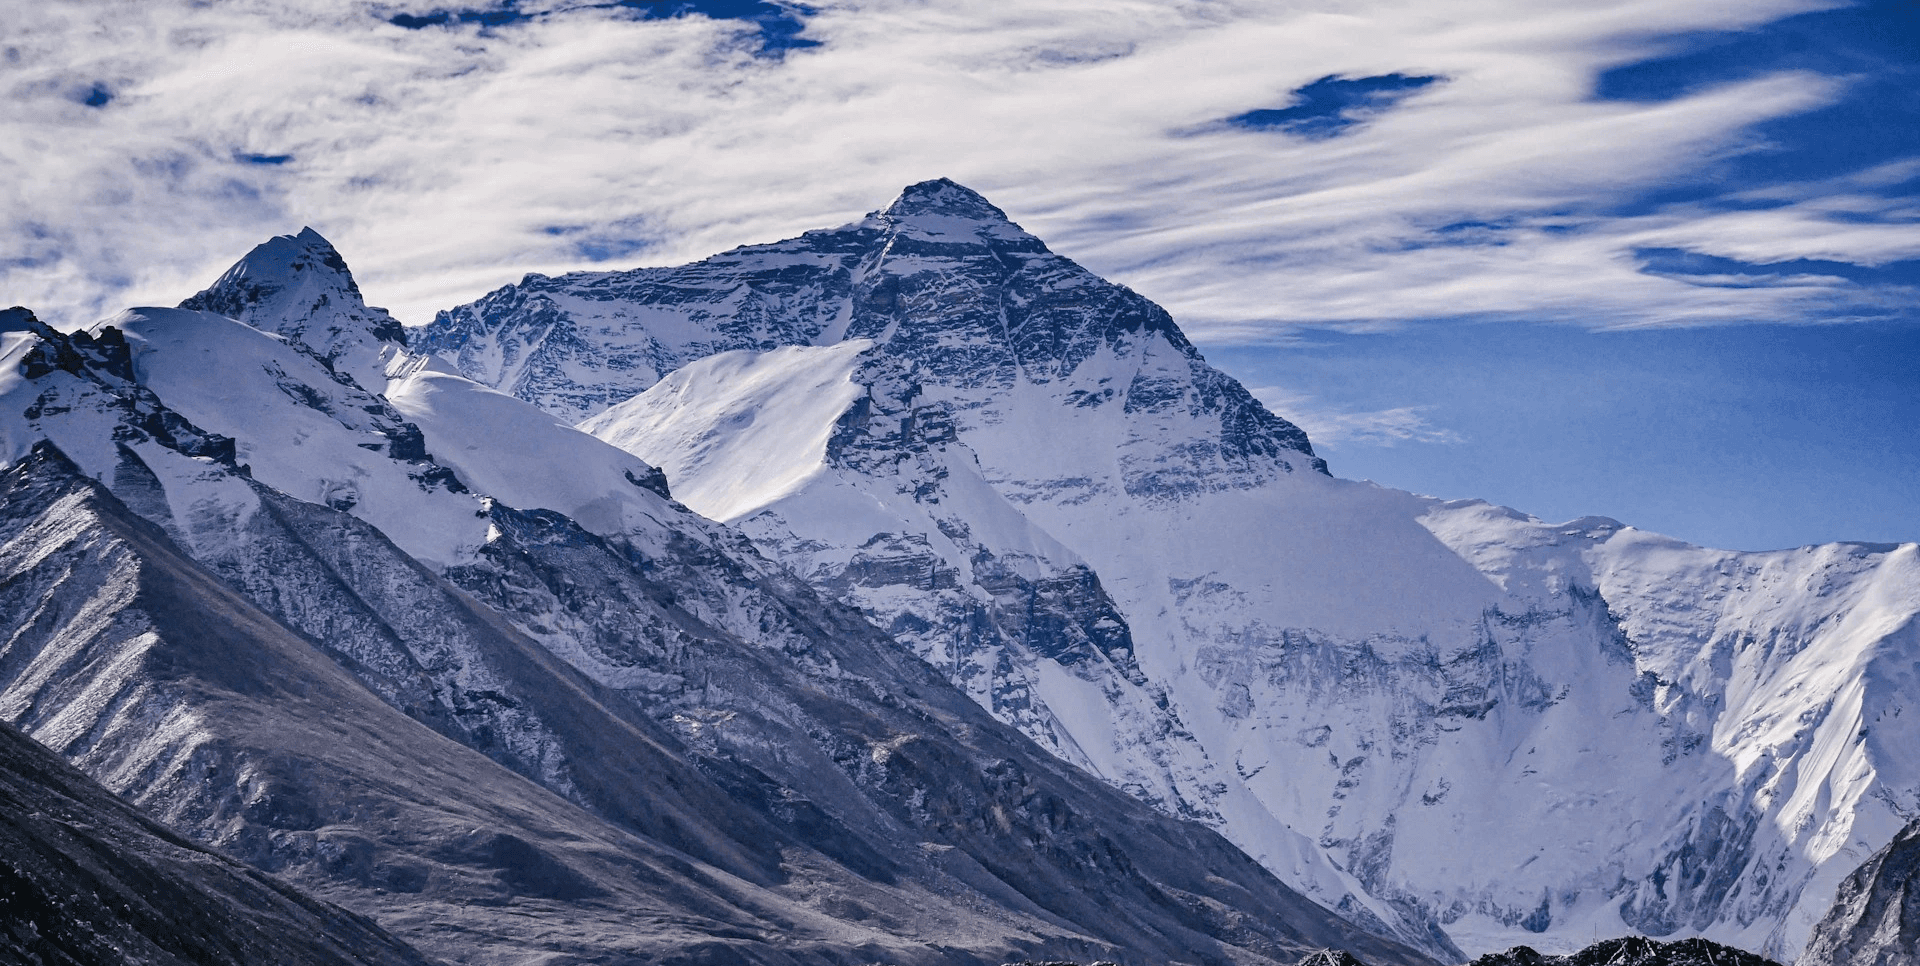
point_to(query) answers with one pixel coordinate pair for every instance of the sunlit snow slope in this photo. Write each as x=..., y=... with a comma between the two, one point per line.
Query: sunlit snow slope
x=1528, y=732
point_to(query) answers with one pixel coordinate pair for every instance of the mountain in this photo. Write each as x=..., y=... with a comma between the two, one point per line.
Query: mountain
x=1426, y=714
x=86, y=879
x=299, y=287
x=1875, y=920
x=157, y=677
x=963, y=599
x=433, y=654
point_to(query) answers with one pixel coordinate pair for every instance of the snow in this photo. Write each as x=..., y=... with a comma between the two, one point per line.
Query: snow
x=299, y=287
x=506, y=449
x=302, y=430
x=740, y=429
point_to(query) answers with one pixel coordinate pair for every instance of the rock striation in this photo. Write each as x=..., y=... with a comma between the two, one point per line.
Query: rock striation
x=87, y=880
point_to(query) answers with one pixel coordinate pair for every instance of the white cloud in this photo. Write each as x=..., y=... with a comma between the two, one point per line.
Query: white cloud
x=1325, y=425
x=438, y=160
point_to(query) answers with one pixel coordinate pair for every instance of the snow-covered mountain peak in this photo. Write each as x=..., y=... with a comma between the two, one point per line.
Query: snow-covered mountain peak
x=945, y=212
x=947, y=197
x=299, y=286
x=945, y=283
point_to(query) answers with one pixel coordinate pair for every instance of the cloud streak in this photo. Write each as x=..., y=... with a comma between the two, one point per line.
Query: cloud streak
x=445, y=161
x=1328, y=425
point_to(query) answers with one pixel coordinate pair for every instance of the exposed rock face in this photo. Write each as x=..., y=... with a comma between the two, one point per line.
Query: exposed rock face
x=1418, y=711
x=1628, y=951
x=475, y=697
x=87, y=880
x=1632, y=951
x=1875, y=920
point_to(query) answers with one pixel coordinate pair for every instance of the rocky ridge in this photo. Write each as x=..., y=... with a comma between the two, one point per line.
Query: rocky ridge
x=1631, y=951
x=1875, y=919
x=87, y=880
x=1625, y=951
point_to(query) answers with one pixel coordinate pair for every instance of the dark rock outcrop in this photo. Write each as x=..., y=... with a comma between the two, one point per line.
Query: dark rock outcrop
x=1632, y=951
x=1875, y=919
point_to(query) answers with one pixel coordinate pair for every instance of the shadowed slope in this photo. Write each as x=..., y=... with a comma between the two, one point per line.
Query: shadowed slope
x=87, y=880
x=1875, y=919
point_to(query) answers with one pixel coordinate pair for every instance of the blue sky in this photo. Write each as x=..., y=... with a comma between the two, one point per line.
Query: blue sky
x=1466, y=244
x=1744, y=437
x=1741, y=435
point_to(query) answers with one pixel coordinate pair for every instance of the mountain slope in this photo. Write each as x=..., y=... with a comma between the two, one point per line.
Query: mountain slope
x=154, y=676
x=86, y=879
x=1446, y=699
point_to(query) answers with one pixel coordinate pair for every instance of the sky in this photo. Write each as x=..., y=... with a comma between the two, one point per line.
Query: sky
x=1653, y=259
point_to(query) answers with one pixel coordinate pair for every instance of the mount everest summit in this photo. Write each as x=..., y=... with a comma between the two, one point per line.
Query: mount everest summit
x=905, y=593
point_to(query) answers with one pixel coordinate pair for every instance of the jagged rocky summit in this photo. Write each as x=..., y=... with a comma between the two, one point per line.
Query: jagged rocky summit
x=1455, y=723
x=298, y=286
x=426, y=651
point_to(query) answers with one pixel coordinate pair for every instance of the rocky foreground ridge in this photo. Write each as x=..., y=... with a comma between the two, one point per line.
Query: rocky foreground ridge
x=1875, y=920
x=1625, y=951
x=87, y=880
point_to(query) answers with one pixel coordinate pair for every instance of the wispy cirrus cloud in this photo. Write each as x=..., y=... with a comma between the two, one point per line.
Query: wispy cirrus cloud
x=1327, y=424
x=144, y=145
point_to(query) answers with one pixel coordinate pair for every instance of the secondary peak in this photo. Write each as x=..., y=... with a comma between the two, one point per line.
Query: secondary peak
x=300, y=287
